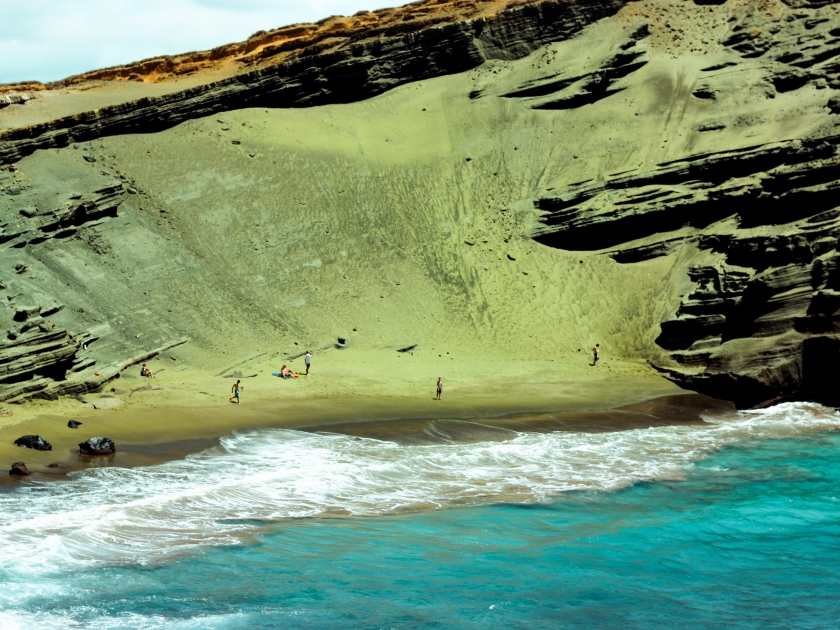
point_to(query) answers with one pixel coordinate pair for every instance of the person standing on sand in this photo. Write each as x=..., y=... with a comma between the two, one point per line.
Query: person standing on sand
x=439, y=388
x=596, y=354
x=236, y=390
x=307, y=358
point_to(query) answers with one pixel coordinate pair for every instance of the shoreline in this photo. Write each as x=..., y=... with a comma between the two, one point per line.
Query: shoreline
x=172, y=423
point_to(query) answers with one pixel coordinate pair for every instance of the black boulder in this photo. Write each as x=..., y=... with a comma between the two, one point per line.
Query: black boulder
x=19, y=469
x=34, y=441
x=97, y=446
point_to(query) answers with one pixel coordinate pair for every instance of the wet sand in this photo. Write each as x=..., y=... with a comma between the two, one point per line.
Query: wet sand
x=676, y=410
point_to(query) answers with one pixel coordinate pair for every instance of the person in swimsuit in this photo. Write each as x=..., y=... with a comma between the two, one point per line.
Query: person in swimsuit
x=596, y=354
x=439, y=388
x=145, y=371
x=237, y=390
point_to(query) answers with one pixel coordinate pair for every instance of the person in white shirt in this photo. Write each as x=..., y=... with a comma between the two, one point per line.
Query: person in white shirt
x=307, y=358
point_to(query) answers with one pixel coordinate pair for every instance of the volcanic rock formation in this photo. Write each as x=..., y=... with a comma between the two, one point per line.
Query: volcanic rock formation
x=97, y=446
x=19, y=469
x=34, y=442
x=760, y=318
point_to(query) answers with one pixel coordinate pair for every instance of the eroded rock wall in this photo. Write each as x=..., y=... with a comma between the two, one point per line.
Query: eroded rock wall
x=758, y=316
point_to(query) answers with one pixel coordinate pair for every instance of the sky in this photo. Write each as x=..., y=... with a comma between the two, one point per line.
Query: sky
x=48, y=40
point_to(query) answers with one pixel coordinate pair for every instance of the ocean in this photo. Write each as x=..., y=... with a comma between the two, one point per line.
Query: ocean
x=734, y=523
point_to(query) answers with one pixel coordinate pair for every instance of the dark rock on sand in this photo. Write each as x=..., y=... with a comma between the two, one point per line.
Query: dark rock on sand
x=74, y=424
x=97, y=446
x=35, y=442
x=19, y=469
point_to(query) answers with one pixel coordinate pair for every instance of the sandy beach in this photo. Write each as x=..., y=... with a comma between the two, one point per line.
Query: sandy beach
x=384, y=394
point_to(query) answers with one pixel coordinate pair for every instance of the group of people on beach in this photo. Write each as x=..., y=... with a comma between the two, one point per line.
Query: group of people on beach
x=285, y=372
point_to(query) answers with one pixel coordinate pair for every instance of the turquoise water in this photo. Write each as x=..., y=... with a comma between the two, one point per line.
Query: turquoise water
x=748, y=536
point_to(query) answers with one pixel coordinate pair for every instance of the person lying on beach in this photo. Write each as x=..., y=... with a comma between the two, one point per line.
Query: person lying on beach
x=287, y=373
x=145, y=371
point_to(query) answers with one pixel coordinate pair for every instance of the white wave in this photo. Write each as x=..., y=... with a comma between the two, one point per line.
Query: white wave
x=25, y=620
x=144, y=515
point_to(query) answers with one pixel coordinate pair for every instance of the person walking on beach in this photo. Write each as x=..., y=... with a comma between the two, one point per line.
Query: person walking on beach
x=439, y=388
x=237, y=391
x=307, y=358
x=596, y=354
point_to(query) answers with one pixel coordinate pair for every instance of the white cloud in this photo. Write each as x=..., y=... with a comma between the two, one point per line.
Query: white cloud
x=47, y=40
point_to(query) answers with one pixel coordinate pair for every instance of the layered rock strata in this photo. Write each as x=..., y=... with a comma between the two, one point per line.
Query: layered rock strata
x=14, y=99
x=268, y=48
x=760, y=318
x=39, y=358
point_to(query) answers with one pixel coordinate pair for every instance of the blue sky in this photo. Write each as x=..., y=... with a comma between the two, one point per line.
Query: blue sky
x=47, y=40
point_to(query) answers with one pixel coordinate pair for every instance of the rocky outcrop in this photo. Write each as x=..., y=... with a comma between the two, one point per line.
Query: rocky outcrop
x=29, y=363
x=97, y=446
x=570, y=92
x=35, y=442
x=59, y=367
x=357, y=70
x=39, y=358
x=63, y=220
x=19, y=469
x=269, y=48
x=761, y=318
x=759, y=311
x=14, y=99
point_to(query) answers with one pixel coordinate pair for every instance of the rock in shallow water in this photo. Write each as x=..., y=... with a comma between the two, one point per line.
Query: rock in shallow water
x=34, y=441
x=19, y=469
x=98, y=446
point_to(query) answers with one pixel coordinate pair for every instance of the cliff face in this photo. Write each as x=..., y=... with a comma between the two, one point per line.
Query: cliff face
x=758, y=315
x=760, y=318
x=658, y=176
x=268, y=48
